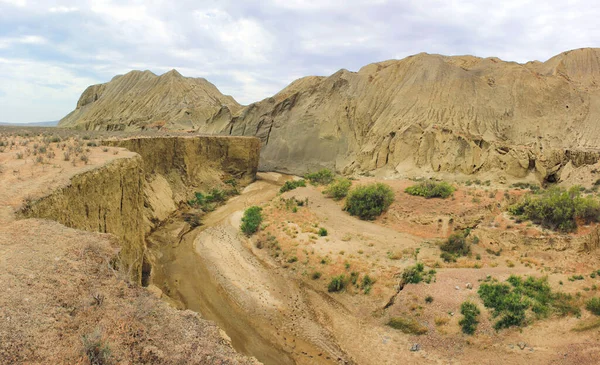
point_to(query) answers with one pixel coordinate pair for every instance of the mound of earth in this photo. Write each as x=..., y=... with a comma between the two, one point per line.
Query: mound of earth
x=141, y=99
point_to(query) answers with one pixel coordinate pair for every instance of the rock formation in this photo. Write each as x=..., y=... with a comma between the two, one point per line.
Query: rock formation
x=459, y=114
x=139, y=100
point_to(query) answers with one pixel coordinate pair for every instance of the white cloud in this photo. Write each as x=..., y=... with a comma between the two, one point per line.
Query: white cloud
x=252, y=49
x=19, y=3
x=244, y=36
x=63, y=9
x=7, y=42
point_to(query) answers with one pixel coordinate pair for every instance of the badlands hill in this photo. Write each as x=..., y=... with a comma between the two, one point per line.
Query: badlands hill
x=427, y=112
x=141, y=99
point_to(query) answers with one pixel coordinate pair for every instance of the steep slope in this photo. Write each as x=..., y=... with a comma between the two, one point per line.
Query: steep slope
x=459, y=114
x=140, y=99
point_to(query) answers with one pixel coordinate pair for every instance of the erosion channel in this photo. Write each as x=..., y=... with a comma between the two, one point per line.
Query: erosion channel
x=212, y=269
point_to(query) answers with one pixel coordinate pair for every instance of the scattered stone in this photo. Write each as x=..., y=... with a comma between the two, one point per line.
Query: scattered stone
x=522, y=345
x=415, y=347
x=469, y=286
x=457, y=287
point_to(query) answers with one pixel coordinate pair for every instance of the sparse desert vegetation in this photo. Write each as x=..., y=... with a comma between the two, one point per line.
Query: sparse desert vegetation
x=369, y=201
x=431, y=189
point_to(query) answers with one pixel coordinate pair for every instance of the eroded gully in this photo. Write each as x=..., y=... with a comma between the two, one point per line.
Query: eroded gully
x=214, y=271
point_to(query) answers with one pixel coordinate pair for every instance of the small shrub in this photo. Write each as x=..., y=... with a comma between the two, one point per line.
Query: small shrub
x=316, y=275
x=337, y=283
x=558, y=209
x=431, y=189
x=291, y=185
x=510, y=301
x=469, y=321
x=416, y=274
x=593, y=305
x=251, y=220
x=321, y=177
x=322, y=232
x=367, y=284
x=96, y=350
x=338, y=189
x=457, y=245
x=407, y=325
x=369, y=201
x=292, y=259
x=428, y=299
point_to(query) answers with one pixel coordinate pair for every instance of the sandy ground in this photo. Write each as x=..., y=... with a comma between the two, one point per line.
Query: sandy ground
x=274, y=288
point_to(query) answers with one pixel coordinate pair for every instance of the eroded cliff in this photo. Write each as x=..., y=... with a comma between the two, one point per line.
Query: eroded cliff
x=129, y=197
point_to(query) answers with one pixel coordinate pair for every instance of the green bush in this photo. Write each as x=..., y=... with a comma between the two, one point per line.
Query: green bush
x=208, y=202
x=251, y=220
x=431, y=189
x=456, y=245
x=338, y=189
x=469, y=321
x=593, y=305
x=369, y=201
x=321, y=177
x=416, y=274
x=291, y=185
x=316, y=275
x=367, y=284
x=407, y=325
x=322, y=232
x=558, y=209
x=337, y=283
x=511, y=301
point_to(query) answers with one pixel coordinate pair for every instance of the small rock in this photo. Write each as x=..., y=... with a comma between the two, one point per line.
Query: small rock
x=469, y=286
x=511, y=346
x=415, y=347
x=451, y=314
x=457, y=287
x=522, y=345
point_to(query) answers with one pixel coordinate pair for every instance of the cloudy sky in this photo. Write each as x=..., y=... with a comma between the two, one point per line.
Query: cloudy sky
x=50, y=51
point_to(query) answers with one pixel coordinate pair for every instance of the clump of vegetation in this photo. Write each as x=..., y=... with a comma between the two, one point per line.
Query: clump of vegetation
x=593, y=305
x=469, y=321
x=416, y=274
x=367, y=284
x=96, y=350
x=338, y=189
x=523, y=185
x=251, y=220
x=558, y=209
x=208, y=202
x=316, y=275
x=514, y=300
x=407, y=325
x=321, y=177
x=322, y=232
x=291, y=185
x=431, y=189
x=428, y=299
x=337, y=283
x=456, y=245
x=369, y=201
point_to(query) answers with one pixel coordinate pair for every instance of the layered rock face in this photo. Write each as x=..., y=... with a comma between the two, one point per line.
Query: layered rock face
x=460, y=114
x=140, y=100
x=457, y=114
